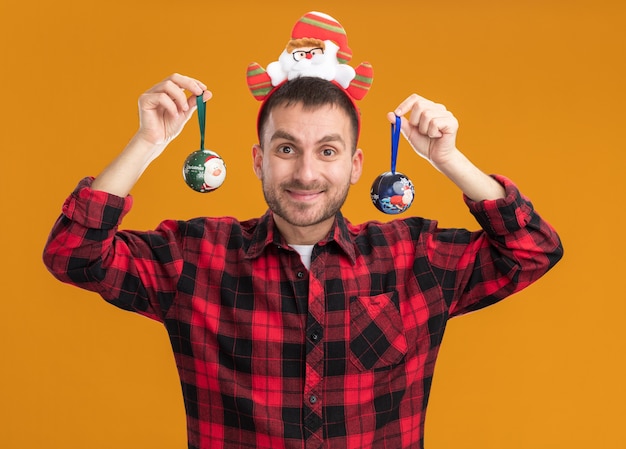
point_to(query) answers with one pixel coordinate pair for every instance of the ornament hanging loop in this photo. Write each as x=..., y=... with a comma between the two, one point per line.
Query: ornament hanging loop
x=201, y=117
x=395, y=142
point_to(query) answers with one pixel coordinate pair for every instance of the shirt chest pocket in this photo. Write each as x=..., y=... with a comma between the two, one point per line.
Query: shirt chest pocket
x=377, y=338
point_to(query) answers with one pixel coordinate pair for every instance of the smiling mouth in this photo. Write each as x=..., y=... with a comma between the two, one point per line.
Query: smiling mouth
x=304, y=195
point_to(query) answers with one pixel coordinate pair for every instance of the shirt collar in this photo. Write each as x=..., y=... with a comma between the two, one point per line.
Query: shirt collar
x=266, y=233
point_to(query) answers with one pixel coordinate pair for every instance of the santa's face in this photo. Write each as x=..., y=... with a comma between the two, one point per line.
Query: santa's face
x=311, y=61
x=306, y=166
x=214, y=172
x=407, y=197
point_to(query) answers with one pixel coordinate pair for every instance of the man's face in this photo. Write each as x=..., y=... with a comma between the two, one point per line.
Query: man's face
x=306, y=164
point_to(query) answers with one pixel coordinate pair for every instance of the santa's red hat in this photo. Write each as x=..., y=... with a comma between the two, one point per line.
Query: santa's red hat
x=321, y=26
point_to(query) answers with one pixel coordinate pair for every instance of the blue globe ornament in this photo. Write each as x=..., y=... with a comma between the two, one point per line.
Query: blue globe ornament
x=204, y=171
x=392, y=193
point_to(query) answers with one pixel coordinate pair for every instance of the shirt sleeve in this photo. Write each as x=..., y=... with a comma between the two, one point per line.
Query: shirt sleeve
x=132, y=270
x=514, y=249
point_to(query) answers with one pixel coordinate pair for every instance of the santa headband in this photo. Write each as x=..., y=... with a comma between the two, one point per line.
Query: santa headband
x=319, y=48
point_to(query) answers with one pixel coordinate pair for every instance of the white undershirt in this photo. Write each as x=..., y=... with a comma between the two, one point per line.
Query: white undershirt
x=305, y=252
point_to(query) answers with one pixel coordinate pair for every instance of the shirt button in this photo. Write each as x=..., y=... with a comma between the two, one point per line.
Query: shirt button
x=300, y=274
x=315, y=336
x=313, y=399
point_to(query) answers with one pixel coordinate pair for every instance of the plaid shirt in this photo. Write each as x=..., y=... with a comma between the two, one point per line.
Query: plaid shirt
x=272, y=355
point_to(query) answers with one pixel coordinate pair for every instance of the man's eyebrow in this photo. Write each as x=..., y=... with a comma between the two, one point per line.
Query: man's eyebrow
x=332, y=138
x=281, y=134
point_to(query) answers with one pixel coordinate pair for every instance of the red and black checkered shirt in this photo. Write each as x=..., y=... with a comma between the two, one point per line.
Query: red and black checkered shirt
x=272, y=355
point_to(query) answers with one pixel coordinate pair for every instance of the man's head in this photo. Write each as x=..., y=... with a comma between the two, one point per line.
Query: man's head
x=307, y=158
x=311, y=93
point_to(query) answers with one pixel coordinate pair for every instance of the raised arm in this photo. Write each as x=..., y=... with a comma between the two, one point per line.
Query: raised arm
x=163, y=112
x=431, y=130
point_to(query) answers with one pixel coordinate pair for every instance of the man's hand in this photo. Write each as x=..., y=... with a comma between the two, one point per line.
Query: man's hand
x=163, y=112
x=430, y=128
x=165, y=108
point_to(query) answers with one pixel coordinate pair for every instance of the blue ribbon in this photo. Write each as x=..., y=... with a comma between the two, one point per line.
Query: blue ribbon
x=395, y=141
x=201, y=118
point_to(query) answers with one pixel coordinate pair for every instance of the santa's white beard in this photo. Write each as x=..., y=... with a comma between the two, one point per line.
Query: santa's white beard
x=317, y=67
x=321, y=66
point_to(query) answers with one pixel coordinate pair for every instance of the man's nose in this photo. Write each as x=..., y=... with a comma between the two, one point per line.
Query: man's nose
x=306, y=170
x=309, y=55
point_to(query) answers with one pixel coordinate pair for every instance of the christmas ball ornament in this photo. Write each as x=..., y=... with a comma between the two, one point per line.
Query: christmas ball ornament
x=392, y=193
x=204, y=171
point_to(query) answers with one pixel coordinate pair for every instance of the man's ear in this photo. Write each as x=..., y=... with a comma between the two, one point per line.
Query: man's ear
x=357, y=166
x=257, y=160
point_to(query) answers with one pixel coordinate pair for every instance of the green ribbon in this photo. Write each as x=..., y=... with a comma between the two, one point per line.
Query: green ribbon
x=201, y=118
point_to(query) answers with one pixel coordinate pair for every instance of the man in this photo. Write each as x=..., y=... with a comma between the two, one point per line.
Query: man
x=300, y=329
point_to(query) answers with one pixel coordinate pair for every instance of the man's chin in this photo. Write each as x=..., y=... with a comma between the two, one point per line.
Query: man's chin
x=304, y=219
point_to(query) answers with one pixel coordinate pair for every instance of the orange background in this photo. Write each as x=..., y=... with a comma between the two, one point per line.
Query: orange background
x=538, y=89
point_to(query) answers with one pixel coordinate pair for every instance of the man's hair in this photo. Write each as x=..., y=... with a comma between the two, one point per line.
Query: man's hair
x=311, y=93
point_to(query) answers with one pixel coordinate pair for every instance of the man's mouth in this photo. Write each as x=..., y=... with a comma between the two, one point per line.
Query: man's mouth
x=304, y=195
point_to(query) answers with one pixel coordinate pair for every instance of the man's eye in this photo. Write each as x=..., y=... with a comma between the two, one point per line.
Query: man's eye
x=285, y=149
x=328, y=152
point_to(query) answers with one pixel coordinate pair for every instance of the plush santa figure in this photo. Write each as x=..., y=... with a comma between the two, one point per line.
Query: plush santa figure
x=214, y=173
x=318, y=47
